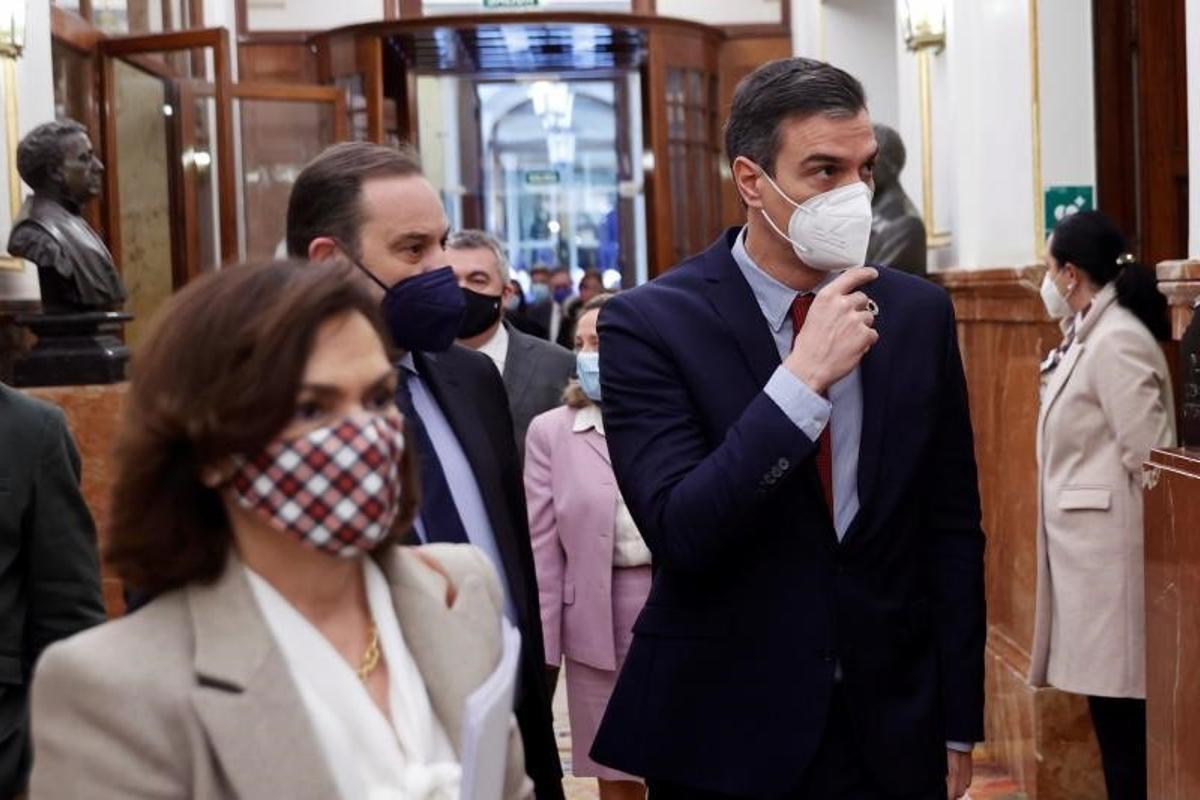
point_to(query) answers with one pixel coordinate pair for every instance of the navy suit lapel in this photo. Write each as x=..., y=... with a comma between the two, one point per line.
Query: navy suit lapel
x=468, y=427
x=875, y=372
x=518, y=367
x=734, y=301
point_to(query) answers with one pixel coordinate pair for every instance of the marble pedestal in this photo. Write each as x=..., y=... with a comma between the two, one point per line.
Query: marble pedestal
x=94, y=418
x=1173, y=624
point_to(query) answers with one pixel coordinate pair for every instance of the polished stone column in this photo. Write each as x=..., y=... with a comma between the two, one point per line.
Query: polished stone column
x=1173, y=624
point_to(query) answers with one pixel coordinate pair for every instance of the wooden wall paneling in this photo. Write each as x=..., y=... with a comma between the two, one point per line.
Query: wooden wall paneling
x=1162, y=127
x=672, y=48
x=1141, y=122
x=1116, y=163
x=286, y=58
x=186, y=261
x=227, y=177
x=739, y=57
x=658, y=203
x=470, y=144
x=1172, y=503
x=370, y=65
x=410, y=8
x=74, y=29
x=783, y=28
x=1043, y=737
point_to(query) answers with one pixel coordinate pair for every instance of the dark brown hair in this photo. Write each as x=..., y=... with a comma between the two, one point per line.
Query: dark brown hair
x=778, y=91
x=217, y=375
x=325, y=200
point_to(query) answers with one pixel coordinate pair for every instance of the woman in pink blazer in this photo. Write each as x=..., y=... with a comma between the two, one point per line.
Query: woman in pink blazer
x=593, y=569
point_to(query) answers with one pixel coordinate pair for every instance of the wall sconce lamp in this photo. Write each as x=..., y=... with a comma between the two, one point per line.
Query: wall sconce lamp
x=925, y=35
x=12, y=42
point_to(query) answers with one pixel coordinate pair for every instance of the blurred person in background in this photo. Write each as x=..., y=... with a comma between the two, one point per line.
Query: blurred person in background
x=1105, y=403
x=291, y=648
x=591, y=284
x=516, y=311
x=535, y=371
x=593, y=566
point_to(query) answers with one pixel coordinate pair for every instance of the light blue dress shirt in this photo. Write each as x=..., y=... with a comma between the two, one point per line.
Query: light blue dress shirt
x=459, y=475
x=811, y=412
x=806, y=408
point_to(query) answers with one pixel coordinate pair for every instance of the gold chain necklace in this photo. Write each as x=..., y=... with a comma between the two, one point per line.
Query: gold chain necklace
x=370, y=659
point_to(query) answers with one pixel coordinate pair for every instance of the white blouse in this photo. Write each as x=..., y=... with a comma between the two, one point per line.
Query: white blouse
x=629, y=548
x=409, y=759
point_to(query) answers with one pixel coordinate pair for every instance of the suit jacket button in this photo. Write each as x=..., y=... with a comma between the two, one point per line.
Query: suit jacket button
x=784, y=463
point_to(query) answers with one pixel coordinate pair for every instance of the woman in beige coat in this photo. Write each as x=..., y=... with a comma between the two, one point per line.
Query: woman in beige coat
x=292, y=649
x=1105, y=403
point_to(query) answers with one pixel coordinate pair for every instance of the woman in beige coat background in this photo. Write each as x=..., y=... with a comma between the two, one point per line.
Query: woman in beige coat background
x=1105, y=403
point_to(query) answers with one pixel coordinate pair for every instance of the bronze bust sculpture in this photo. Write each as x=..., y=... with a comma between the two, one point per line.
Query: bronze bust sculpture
x=897, y=232
x=75, y=269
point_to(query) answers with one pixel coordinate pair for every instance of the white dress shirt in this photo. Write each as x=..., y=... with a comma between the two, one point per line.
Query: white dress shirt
x=496, y=348
x=411, y=757
x=629, y=548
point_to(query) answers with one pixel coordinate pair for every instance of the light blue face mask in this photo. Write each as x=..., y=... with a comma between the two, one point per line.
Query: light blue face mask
x=587, y=365
x=538, y=292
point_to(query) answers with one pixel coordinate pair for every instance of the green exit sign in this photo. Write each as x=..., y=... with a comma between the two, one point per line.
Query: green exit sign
x=1063, y=201
x=542, y=177
x=511, y=3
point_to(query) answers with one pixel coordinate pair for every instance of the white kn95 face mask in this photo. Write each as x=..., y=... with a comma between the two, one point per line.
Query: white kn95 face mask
x=829, y=232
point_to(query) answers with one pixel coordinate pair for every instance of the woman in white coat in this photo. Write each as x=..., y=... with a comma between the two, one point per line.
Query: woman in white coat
x=1105, y=403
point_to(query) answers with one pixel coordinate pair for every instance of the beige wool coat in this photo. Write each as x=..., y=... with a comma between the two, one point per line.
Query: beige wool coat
x=190, y=696
x=1103, y=408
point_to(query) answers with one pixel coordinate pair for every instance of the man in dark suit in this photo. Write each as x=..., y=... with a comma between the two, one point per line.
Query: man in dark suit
x=535, y=371
x=49, y=570
x=791, y=433
x=372, y=206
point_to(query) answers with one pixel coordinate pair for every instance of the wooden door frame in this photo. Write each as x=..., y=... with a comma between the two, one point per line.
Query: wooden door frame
x=1136, y=115
x=218, y=40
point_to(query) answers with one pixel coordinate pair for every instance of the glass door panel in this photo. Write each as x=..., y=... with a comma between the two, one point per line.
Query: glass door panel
x=283, y=128
x=555, y=177
x=144, y=150
x=170, y=211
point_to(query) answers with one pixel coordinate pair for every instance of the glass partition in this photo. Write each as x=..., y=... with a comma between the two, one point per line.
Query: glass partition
x=168, y=163
x=545, y=163
x=283, y=128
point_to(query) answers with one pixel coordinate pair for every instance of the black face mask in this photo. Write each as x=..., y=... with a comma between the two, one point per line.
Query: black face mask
x=482, y=312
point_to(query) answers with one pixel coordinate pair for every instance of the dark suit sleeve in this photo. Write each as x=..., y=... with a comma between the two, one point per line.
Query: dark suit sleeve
x=955, y=522
x=692, y=498
x=60, y=539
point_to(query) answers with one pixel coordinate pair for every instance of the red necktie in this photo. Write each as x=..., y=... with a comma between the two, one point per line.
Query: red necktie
x=800, y=307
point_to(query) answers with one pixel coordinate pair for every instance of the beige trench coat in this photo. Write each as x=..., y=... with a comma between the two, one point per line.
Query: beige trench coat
x=1103, y=408
x=191, y=697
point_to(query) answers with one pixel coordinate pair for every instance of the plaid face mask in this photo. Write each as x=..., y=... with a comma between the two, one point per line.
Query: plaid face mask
x=336, y=489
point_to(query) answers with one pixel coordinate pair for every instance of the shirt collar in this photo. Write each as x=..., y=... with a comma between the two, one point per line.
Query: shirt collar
x=408, y=364
x=496, y=348
x=587, y=418
x=774, y=298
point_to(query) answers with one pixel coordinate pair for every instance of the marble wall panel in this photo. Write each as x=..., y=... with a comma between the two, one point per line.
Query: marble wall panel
x=1042, y=737
x=94, y=414
x=1173, y=625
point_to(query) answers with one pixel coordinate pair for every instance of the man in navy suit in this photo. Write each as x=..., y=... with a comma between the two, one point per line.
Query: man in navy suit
x=791, y=433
